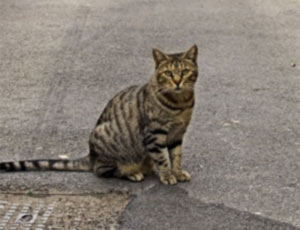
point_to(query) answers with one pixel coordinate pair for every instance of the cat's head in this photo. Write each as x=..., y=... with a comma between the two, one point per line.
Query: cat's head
x=175, y=73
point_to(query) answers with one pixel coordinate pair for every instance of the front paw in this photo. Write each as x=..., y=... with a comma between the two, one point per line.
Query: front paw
x=168, y=179
x=181, y=175
x=136, y=177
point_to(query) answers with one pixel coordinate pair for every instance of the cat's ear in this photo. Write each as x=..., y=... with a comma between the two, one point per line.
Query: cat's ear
x=191, y=54
x=158, y=57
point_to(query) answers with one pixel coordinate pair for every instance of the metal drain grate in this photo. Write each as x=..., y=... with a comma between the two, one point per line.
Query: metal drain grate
x=21, y=212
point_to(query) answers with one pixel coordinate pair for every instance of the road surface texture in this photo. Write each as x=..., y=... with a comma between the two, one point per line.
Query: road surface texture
x=62, y=60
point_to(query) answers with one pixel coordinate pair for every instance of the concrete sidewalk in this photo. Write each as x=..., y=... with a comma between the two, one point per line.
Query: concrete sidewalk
x=61, y=61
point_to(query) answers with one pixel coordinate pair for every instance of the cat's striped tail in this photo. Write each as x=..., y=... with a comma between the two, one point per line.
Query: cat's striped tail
x=81, y=164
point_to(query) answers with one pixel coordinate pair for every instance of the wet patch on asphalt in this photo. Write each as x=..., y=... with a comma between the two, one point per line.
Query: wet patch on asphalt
x=171, y=207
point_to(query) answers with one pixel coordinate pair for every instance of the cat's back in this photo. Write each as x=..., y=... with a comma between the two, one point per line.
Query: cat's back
x=124, y=106
x=120, y=124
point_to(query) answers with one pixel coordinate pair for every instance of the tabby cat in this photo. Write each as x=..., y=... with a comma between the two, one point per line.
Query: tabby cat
x=141, y=129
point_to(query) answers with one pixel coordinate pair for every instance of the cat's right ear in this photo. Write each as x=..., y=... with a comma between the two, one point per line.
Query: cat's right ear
x=158, y=57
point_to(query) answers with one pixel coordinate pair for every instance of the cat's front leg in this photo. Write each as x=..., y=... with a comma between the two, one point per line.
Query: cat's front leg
x=155, y=142
x=175, y=149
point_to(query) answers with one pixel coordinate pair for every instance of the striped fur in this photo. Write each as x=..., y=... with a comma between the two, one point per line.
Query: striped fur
x=82, y=164
x=141, y=129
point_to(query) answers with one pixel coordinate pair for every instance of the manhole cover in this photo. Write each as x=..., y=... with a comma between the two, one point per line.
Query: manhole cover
x=21, y=212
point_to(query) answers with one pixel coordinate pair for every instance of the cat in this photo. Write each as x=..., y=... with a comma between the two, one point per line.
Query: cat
x=141, y=129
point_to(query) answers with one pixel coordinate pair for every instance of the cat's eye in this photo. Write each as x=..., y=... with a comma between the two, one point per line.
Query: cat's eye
x=168, y=73
x=185, y=72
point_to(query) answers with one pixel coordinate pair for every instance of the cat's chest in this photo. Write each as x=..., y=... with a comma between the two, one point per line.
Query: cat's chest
x=176, y=121
x=169, y=119
x=184, y=117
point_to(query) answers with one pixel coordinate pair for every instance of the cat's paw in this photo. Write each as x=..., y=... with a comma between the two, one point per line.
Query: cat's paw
x=182, y=175
x=136, y=177
x=168, y=179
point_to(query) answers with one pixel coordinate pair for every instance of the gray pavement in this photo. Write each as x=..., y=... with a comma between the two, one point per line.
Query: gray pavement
x=61, y=61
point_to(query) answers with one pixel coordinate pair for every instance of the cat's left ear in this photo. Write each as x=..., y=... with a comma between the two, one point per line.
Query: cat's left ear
x=158, y=57
x=191, y=54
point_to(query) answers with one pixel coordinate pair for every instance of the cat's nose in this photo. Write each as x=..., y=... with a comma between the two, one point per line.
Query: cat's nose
x=177, y=79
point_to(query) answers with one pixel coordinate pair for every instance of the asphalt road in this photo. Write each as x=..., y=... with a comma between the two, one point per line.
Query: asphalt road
x=62, y=60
